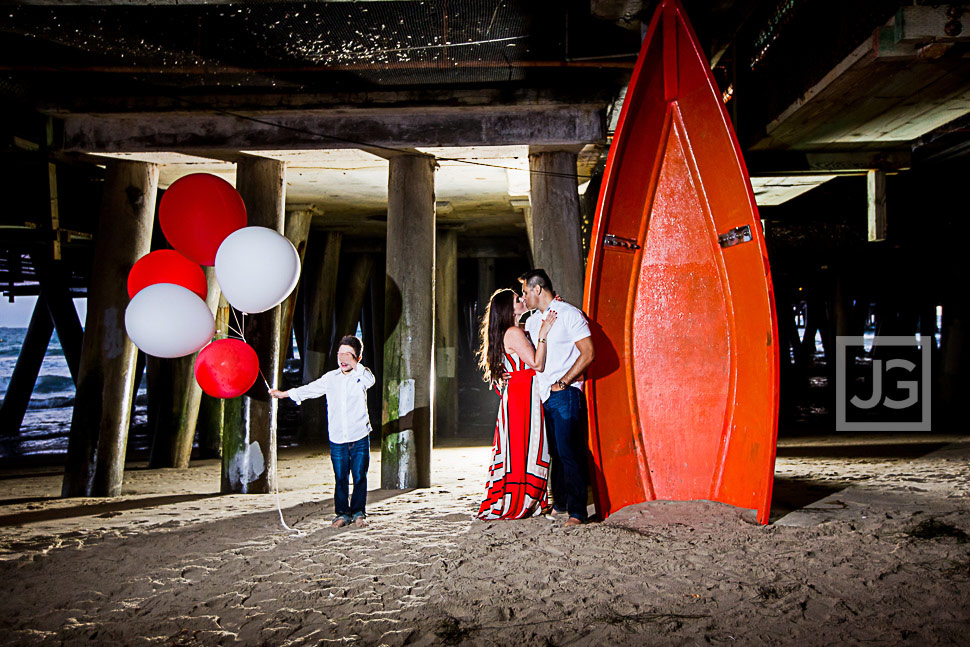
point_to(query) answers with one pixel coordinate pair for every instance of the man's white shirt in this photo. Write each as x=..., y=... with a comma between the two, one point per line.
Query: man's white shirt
x=561, y=354
x=346, y=401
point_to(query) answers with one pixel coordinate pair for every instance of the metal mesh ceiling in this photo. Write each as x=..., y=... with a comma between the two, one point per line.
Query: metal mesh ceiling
x=315, y=46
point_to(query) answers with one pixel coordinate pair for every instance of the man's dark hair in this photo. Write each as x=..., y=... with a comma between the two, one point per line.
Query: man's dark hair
x=533, y=278
x=354, y=342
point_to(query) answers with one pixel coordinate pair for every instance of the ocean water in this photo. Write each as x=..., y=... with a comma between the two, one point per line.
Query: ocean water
x=47, y=421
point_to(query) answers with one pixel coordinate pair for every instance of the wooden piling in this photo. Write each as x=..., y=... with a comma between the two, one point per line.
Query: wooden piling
x=176, y=397
x=296, y=230
x=355, y=278
x=249, y=434
x=211, y=410
x=409, y=317
x=446, y=333
x=102, y=406
x=25, y=372
x=557, y=246
x=320, y=288
x=486, y=283
x=54, y=278
x=373, y=329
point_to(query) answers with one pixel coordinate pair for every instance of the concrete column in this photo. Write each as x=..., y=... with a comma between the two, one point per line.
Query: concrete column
x=106, y=376
x=527, y=216
x=319, y=293
x=557, y=246
x=876, y=183
x=446, y=333
x=297, y=231
x=249, y=435
x=409, y=317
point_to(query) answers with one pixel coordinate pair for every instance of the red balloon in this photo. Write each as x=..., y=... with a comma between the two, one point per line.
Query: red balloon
x=166, y=266
x=197, y=212
x=226, y=368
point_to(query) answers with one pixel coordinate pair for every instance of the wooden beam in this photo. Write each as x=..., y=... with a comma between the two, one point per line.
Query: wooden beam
x=328, y=129
x=25, y=372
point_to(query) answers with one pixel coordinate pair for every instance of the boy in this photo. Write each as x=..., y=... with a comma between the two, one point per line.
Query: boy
x=348, y=426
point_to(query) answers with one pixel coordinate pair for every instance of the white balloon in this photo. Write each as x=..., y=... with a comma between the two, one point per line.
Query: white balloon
x=168, y=320
x=256, y=268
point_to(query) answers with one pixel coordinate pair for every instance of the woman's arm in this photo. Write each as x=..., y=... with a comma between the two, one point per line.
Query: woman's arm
x=517, y=342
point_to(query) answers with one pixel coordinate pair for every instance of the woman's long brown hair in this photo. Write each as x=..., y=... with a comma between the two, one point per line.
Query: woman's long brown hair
x=499, y=317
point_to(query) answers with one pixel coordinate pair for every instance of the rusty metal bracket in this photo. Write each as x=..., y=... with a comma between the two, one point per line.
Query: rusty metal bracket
x=736, y=236
x=628, y=244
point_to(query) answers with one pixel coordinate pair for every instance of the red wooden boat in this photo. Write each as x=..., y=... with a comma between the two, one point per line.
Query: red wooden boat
x=683, y=396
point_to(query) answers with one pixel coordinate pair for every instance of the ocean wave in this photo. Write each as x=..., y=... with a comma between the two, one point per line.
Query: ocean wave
x=55, y=402
x=54, y=384
x=12, y=340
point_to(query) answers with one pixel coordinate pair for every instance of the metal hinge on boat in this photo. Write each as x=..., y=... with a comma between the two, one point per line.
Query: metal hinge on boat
x=610, y=240
x=736, y=236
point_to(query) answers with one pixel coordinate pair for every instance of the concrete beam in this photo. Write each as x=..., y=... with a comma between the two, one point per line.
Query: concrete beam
x=328, y=129
x=876, y=183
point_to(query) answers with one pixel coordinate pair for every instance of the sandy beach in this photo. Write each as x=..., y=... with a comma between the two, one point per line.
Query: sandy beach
x=868, y=544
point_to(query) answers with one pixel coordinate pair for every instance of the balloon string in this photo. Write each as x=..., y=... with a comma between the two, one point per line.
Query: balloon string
x=240, y=332
x=279, y=508
x=242, y=328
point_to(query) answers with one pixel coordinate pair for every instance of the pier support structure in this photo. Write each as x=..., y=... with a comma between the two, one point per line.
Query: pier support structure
x=409, y=317
x=556, y=243
x=446, y=332
x=319, y=293
x=106, y=380
x=25, y=372
x=249, y=434
x=354, y=278
x=297, y=230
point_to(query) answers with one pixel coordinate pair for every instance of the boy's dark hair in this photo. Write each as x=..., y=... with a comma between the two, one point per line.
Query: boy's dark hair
x=354, y=342
x=533, y=278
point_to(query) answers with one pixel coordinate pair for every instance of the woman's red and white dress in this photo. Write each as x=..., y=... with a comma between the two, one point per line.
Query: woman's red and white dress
x=520, y=455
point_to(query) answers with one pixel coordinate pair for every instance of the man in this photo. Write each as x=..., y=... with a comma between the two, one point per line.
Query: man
x=569, y=351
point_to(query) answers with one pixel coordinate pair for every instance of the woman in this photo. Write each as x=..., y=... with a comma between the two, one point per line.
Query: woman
x=520, y=456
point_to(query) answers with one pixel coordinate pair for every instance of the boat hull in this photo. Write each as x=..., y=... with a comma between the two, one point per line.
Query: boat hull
x=683, y=396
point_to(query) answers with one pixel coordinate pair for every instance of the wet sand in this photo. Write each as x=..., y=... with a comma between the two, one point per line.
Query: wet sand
x=869, y=543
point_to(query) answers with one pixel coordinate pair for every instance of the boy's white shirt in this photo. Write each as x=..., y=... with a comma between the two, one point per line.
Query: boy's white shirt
x=562, y=353
x=346, y=401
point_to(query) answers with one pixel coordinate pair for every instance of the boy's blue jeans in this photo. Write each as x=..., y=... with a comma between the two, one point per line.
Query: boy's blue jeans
x=350, y=459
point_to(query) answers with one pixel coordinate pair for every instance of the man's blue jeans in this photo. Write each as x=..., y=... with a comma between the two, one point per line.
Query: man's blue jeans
x=350, y=459
x=565, y=417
